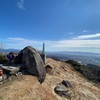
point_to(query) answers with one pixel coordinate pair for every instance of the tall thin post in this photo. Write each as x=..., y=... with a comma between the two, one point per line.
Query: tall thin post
x=43, y=54
x=43, y=49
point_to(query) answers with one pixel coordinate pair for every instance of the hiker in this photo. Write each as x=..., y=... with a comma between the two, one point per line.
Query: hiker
x=11, y=57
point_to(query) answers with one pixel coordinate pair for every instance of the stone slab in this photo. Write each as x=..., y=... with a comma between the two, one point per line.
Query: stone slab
x=11, y=69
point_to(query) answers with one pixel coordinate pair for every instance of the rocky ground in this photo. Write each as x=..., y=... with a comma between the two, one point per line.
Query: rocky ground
x=27, y=87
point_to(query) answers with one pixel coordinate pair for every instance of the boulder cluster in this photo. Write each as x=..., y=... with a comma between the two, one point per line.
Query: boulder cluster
x=30, y=60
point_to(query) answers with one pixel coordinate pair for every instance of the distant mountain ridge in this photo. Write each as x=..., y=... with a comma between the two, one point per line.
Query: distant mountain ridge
x=54, y=52
x=10, y=50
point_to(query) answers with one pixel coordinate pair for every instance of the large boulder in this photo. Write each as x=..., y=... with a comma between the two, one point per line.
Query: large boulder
x=32, y=62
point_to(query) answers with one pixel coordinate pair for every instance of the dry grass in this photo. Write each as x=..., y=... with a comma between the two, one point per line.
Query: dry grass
x=28, y=87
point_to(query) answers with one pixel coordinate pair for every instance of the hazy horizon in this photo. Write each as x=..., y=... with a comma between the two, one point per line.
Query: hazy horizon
x=52, y=51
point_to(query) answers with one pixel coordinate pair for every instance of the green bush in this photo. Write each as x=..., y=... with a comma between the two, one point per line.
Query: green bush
x=3, y=58
x=90, y=73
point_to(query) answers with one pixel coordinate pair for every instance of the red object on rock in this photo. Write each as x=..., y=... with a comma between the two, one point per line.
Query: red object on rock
x=1, y=72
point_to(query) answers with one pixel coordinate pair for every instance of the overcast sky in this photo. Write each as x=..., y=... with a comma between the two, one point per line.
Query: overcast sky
x=63, y=25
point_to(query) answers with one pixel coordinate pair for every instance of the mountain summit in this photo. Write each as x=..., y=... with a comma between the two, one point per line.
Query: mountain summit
x=27, y=87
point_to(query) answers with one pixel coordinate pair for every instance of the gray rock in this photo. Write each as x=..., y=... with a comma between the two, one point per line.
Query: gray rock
x=60, y=88
x=1, y=78
x=4, y=77
x=62, y=91
x=67, y=83
x=33, y=63
x=49, y=69
x=11, y=69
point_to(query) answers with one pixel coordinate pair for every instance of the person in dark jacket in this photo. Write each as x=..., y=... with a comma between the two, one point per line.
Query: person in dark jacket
x=11, y=57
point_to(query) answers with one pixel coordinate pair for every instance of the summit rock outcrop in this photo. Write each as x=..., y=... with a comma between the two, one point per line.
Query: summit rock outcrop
x=31, y=60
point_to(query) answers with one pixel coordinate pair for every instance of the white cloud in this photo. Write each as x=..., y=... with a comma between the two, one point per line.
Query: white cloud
x=59, y=43
x=85, y=31
x=79, y=45
x=88, y=36
x=66, y=34
x=23, y=41
x=21, y=4
x=70, y=33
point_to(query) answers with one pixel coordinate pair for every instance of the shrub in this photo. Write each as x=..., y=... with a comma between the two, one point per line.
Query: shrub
x=90, y=73
x=3, y=58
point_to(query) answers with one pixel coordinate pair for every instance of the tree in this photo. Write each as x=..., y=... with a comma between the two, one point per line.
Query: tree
x=1, y=47
x=3, y=58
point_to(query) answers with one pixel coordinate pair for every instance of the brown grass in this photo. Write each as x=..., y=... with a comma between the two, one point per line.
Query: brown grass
x=28, y=87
